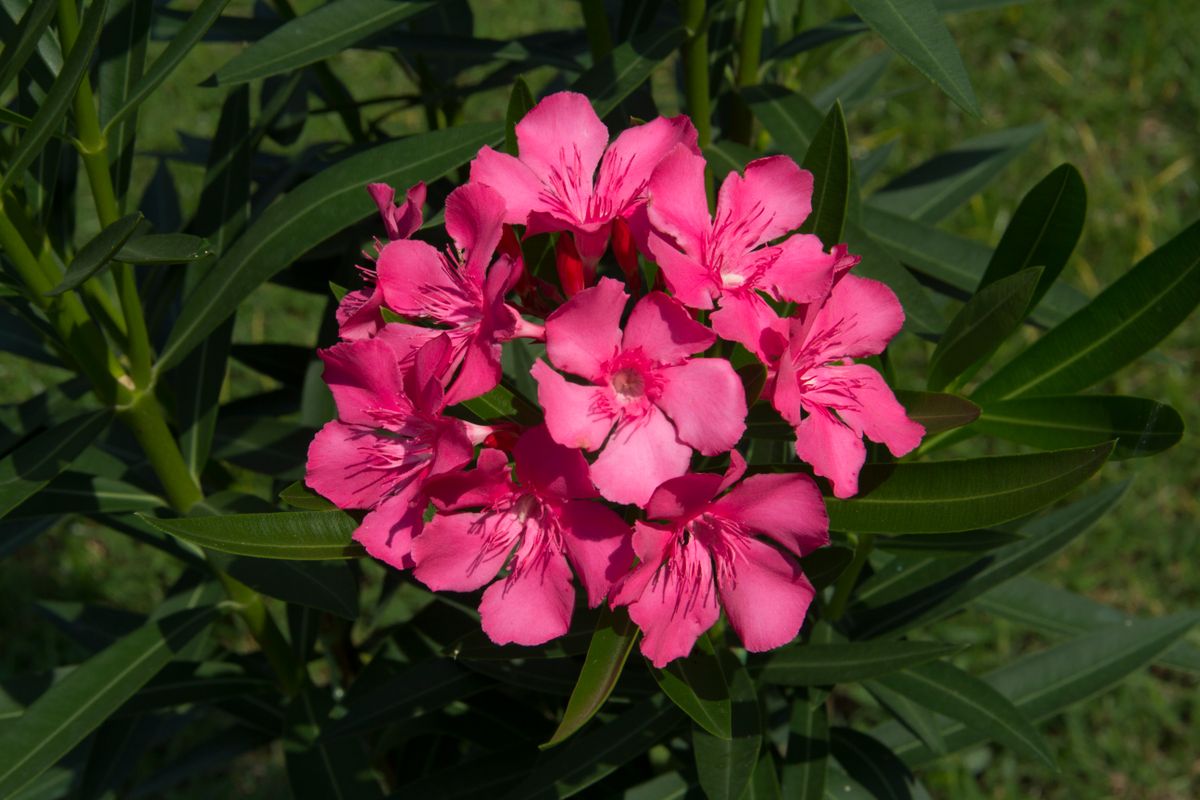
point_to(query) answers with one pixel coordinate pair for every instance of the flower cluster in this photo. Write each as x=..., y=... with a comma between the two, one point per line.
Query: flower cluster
x=633, y=394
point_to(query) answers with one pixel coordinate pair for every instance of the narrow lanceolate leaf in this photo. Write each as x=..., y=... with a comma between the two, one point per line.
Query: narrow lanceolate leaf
x=942, y=687
x=324, y=586
x=628, y=66
x=1141, y=427
x=948, y=544
x=181, y=44
x=1049, y=609
x=698, y=685
x=726, y=764
x=853, y=87
x=828, y=159
x=914, y=29
x=54, y=106
x=945, y=496
x=930, y=191
x=33, y=24
x=98, y=252
x=878, y=263
x=504, y=404
x=829, y=664
x=917, y=719
x=122, y=60
x=76, y=493
x=1043, y=231
x=292, y=535
x=311, y=213
x=319, y=769
x=937, y=412
x=65, y=714
x=520, y=101
x=823, y=566
x=611, y=643
x=808, y=747
x=726, y=157
x=981, y=326
x=297, y=495
x=40, y=459
x=1124, y=321
x=1044, y=683
x=164, y=248
x=326, y=31
x=788, y=116
x=869, y=764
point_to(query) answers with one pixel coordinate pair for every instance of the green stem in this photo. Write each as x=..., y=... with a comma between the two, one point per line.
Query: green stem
x=695, y=68
x=145, y=419
x=847, y=580
x=749, y=60
x=288, y=668
x=595, y=20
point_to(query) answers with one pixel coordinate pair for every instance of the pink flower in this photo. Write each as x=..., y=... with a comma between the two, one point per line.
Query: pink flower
x=461, y=290
x=709, y=555
x=726, y=259
x=662, y=403
x=389, y=437
x=554, y=186
x=539, y=528
x=358, y=314
x=833, y=402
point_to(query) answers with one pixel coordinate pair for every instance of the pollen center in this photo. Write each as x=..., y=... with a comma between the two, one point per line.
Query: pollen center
x=629, y=383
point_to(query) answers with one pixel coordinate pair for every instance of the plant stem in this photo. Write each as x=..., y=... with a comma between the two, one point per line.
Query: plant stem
x=595, y=20
x=145, y=419
x=695, y=68
x=254, y=613
x=847, y=580
x=749, y=59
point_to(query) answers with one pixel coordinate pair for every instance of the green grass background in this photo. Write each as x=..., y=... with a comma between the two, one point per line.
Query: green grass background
x=1117, y=86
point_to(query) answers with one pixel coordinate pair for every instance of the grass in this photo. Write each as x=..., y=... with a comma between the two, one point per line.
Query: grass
x=1117, y=87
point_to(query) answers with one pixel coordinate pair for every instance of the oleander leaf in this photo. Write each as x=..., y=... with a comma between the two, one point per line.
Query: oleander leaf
x=39, y=460
x=828, y=159
x=1141, y=427
x=829, y=664
x=290, y=535
x=98, y=252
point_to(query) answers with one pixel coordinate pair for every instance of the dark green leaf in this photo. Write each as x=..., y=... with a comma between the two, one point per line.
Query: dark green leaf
x=326, y=31
x=122, y=60
x=164, y=248
x=326, y=586
x=182, y=683
x=725, y=764
x=291, y=535
x=520, y=101
x=807, y=748
x=48, y=119
x=96, y=254
x=948, y=543
x=788, y=116
x=930, y=191
x=871, y=764
x=981, y=326
x=320, y=769
x=937, y=412
x=39, y=460
x=1141, y=427
x=611, y=643
x=941, y=687
x=1043, y=231
x=698, y=685
x=630, y=64
x=60, y=718
x=946, y=496
x=180, y=45
x=24, y=40
x=764, y=784
x=828, y=159
x=853, y=87
x=914, y=29
x=76, y=493
x=726, y=157
x=309, y=214
x=822, y=567
x=1124, y=321
x=828, y=664
x=916, y=719
x=878, y=263
x=297, y=495
x=503, y=404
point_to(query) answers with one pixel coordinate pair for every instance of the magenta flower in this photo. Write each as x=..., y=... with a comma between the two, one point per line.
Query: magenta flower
x=554, y=186
x=389, y=437
x=726, y=259
x=462, y=290
x=709, y=555
x=833, y=402
x=538, y=528
x=358, y=314
x=659, y=403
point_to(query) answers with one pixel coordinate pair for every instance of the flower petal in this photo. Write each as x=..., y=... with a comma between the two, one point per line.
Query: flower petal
x=788, y=508
x=340, y=466
x=577, y=416
x=532, y=605
x=834, y=450
x=387, y=532
x=859, y=319
x=449, y=554
x=598, y=544
x=706, y=401
x=766, y=597
x=690, y=281
x=802, y=271
x=489, y=481
x=639, y=456
x=475, y=221
x=514, y=180
x=561, y=139
x=664, y=330
x=683, y=496
x=678, y=204
x=744, y=317
x=550, y=467
x=771, y=198
x=585, y=331
x=874, y=410
x=630, y=160
x=417, y=282
x=364, y=375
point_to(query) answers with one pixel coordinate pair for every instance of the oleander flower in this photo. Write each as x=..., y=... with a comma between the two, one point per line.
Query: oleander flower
x=645, y=389
x=710, y=553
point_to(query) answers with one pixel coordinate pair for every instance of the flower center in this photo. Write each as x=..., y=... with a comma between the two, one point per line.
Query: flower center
x=732, y=280
x=629, y=383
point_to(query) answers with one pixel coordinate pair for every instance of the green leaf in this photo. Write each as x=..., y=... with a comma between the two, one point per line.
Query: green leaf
x=807, y=748
x=611, y=644
x=180, y=45
x=1140, y=426
x=309, y=214
x=823, y=566
x=1123, y=322
x=949, y=691
x=164, y=248
x=725, y=764
x=829, y=664
x=871, y=764
x=726, y=157
x=504, y=404
x=290, y=535
x=920, y=315
x=297, y=495
x=828, y=159
x=930, y=191
x=75, y=493
x=853, y=87
x=948, y=543
x=48, y=119
x=96, y=254
x=914, y=29
x=323, y=32
x=764, y=784
x=958, y=495
x=981, y=326
x=40, y=459
x=520, y=101
x=916, y=719
x=1043, y=231
x=788, y=116
x=320, y=769
x=630, y=64
x=65, y=714
x=937, y=412
x=697, y=684
x=326, y=586
x=1049, y=609
x=24, y=40
x=122, y=61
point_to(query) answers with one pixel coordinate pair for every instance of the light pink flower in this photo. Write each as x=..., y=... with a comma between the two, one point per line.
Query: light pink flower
x=833, y=402
x=358, y=314
x=462, y=290
x=725, y=259
x=554, y=185
x=389, y=437
x=538, y=527
x=709, y=555
x=662, y=403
